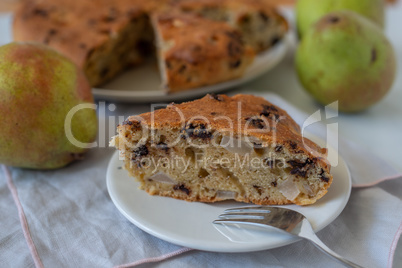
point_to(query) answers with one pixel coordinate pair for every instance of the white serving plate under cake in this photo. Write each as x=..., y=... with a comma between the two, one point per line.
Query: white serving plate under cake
x=190, y=224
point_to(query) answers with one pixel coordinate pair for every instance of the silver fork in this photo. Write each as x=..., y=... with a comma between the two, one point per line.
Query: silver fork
x=283, y=219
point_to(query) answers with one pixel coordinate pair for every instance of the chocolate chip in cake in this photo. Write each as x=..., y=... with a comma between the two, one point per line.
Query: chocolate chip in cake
x=235, y=64
x=264, y=17
x=323, y=177
x=49, y=35
x=292, y=144
x=233, y=35
x=245, y=19
x=215, y=97
x=274, y=117
x=298, y=171
x=256, y=122
x=40, y=12
x=259, y=189
x=310, y=161
x=270, y=111
x=52, y=32
x=274, y=183
x=182, y=68
x=182, y=188
x=143, y=163
x=140, y=151
x=235, y=49
x=296, y=163
x=267, y=110
x=200, y=130
x=299, y=167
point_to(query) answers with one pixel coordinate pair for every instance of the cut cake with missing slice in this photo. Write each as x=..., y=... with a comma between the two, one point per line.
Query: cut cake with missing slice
x=105, y=38
x=102, y=37
x=218, y=148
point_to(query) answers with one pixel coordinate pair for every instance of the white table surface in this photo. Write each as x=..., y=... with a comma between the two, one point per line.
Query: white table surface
x=378, y=129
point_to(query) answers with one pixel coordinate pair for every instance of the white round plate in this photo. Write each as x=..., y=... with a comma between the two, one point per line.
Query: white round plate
x=190, y=224
x=143, y=84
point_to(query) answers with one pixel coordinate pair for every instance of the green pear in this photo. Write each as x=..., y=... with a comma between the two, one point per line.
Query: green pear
x=310, y=11
x=347, y=58
x=38, y=89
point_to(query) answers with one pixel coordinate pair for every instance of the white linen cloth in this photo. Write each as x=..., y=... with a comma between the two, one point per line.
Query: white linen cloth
x=73, y=222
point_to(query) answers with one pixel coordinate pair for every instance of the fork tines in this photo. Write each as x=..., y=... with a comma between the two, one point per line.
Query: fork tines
x=278, y=217
x=250, y=214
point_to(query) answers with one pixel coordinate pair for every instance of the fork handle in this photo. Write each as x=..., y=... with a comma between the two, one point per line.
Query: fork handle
x=320, y=245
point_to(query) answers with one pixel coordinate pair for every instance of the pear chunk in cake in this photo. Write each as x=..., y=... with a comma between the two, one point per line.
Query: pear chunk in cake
x=218, y=147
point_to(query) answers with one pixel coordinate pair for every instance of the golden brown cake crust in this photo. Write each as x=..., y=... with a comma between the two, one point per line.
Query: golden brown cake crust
x=240, y=115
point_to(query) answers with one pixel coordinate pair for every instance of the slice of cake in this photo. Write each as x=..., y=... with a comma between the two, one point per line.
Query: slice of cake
x=257, y=20
x=195, y=52
x=218, y=148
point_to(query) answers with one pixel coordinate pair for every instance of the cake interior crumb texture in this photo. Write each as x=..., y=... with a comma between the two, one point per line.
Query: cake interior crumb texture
x=195, y=52
x=218, y=148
